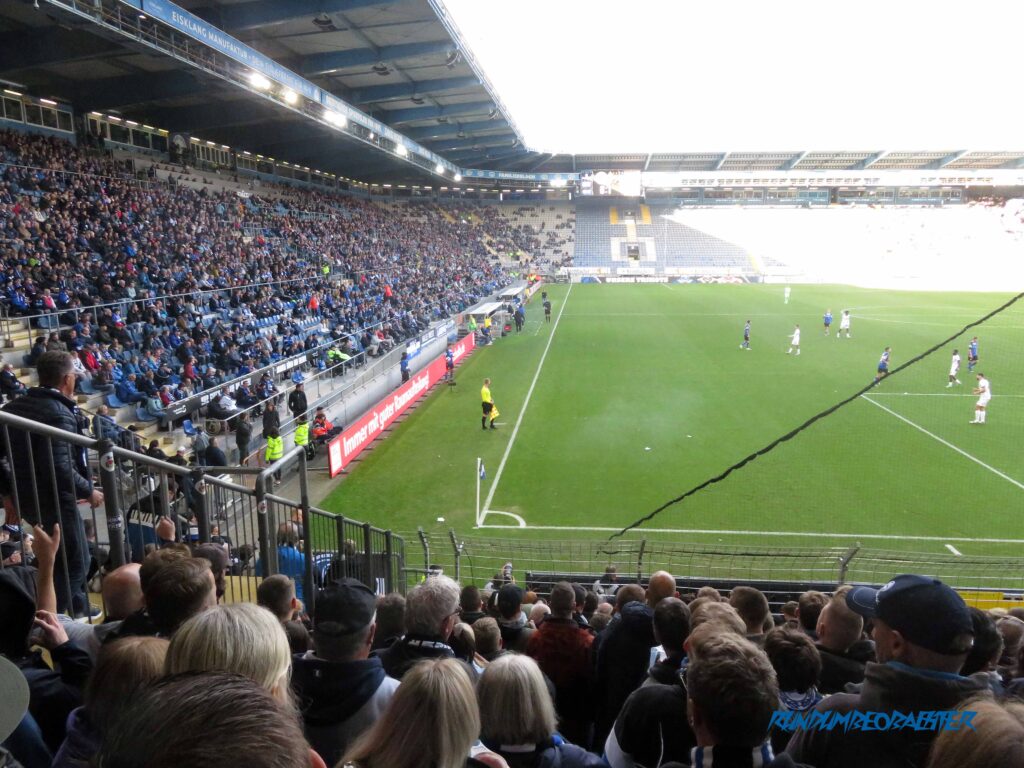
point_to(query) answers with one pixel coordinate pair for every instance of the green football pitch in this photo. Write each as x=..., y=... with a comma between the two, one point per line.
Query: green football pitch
x=634, y=394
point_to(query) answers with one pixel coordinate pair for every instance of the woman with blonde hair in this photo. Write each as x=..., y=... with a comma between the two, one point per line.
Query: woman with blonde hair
x=517, y=717
x=995, y=738
x=242, y=638
x=432, y=720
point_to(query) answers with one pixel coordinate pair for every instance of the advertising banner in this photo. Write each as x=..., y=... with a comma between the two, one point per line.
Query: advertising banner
x=369, y=427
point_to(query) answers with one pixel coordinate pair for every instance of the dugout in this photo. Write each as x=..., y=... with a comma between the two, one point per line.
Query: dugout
x=520, y=291
x=496, y=310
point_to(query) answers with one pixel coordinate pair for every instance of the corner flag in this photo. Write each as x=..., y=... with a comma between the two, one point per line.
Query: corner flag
x=483, y=472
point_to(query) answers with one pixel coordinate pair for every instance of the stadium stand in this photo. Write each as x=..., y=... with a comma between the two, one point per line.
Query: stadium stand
x=169, y=287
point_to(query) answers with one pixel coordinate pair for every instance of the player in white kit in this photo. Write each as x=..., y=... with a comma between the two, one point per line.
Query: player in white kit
x=984, y=393
x=954, y=369
x=844, y=324
x=794, y=342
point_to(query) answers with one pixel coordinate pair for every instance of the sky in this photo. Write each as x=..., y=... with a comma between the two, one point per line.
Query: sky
x=594, y=76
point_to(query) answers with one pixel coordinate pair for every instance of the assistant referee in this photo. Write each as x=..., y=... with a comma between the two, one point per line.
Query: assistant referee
x=488, y=405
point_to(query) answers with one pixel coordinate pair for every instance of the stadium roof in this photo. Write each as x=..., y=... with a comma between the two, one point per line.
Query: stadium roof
x=404, y=62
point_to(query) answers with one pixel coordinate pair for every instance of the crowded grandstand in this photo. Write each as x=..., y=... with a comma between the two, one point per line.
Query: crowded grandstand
x=296, y=473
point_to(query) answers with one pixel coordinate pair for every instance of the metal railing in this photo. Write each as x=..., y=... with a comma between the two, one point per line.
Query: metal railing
x=780, y=572
x=231, y=506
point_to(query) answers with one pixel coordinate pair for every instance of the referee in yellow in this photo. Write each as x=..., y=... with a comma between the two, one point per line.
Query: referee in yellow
x=490, y=411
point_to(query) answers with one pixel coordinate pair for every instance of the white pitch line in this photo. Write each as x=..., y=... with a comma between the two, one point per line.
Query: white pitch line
x=800, y=534
x=924, y=322
x=946, y=443
x=526, y=403
x=933, y=394
x=954, y=550
x=520, y=522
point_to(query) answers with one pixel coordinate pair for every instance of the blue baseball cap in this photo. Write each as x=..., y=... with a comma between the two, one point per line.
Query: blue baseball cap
x=925, y=611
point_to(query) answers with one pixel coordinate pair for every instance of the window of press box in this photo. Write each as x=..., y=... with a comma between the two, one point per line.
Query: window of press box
x=33, y=114
x=12, y=110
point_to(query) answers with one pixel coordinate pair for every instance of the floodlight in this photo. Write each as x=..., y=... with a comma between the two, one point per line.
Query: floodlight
x=256, y=80
x=335, y=118
x=290, y=96
x=401, y=150
x=457, y=177
x=439, y=168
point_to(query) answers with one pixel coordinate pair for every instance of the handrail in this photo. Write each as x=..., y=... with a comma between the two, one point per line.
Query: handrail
x=152, y=299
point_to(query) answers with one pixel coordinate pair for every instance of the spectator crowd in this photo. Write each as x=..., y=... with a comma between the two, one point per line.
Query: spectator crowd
x=612, y=674
x=161, y=291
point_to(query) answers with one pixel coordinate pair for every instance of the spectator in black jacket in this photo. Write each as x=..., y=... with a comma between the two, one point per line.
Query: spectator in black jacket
x=215, y=455
x=623, y=656
x=271, y=419
x=838, y=629
x=40, y=464
x=297, y=401
x=243, y=437
x=9, y=383
x=54, y=691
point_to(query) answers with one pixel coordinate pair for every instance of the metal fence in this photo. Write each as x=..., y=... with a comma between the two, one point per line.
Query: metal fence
x=235, y=507
x=780, y=572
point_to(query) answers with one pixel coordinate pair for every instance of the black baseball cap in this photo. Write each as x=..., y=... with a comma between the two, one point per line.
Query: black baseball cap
x=346, y=606
x=925, y=611
x=510, y=597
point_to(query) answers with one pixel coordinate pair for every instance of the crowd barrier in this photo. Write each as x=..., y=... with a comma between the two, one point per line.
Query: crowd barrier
x=780, y=572
x=232, y=506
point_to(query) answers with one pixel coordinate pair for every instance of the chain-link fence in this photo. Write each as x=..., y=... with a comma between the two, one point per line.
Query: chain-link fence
x=781, y=572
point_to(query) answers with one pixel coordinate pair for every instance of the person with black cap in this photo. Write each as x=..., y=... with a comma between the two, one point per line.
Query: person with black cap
x=922, y=633
x=341, y=689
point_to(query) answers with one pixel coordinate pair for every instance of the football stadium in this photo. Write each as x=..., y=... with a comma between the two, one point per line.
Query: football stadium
x=442, y=383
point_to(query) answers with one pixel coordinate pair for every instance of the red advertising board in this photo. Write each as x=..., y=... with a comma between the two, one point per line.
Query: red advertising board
x=350, y=443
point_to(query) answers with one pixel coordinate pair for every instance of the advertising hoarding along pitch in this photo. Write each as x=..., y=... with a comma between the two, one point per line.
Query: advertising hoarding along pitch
x=355, y=438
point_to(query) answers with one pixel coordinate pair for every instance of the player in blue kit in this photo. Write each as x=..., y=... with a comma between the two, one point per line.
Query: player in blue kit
x=746, y=336
x=449, y=366
x=972, y=354
x=828, y=320
x=883, y=365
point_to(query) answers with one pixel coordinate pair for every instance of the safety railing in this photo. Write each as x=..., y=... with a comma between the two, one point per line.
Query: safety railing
x=48, y=475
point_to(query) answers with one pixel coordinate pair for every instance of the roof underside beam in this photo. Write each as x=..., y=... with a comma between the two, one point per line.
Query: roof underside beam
x=395, y=116
x=395, y=91
x=720, y=161
x=869, y=161
x=789, y=165
x=319, y=63
x=206, y=117
x=127, y=90
x=441, y=130
x=50, y=45
x=950, y=158
x=479, y=141
x=260, y=13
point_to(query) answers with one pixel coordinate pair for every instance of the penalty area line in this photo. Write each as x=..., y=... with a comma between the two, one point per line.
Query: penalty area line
x=946, y=443
x=519, y=421
x=798, y=534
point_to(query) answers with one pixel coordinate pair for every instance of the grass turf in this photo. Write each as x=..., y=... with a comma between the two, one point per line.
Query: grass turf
x=633, y=367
